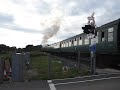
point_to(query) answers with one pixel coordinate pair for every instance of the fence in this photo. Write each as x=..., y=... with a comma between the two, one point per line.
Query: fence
x=59, y=67
x=20, y=65
x=14, y=68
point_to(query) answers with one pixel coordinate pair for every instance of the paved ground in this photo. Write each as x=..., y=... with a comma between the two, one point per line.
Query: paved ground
x=111, y=84
x=107, y=70
x=84, y=78
x=109, y=81
x=95, y=82
x=33, y=85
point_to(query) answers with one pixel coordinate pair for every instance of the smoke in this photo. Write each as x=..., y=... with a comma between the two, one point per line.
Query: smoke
x=51, y=31
x=52, y=25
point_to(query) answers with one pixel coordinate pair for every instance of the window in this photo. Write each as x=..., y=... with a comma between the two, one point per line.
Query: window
x=97, y=33
x=103, y=36
x=80, y=41
x=110, y=34
x=67, y=44
x=64, y=44
x=75, y=42
x=86, y=40
x=96, y=38
x=75, y=39
x=80, y=38
x=70, y=43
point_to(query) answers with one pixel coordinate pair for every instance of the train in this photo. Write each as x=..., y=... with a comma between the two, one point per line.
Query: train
x=107, y=41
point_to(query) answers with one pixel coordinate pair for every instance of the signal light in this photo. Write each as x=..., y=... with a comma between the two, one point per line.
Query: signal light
x=88, y=29
x=85, y=30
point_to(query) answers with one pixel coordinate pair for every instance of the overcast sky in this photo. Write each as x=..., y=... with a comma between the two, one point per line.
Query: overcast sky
x=24, y=22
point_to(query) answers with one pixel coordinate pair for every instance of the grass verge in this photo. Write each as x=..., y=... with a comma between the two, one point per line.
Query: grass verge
x=40, y=64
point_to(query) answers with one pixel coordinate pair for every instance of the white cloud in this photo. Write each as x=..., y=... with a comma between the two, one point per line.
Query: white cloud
x=19, y=39
x=37, y=15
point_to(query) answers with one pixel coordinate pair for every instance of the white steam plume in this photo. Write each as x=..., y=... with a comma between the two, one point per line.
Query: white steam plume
x=53, y=25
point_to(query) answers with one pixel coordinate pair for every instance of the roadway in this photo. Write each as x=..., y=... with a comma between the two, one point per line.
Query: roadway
x=95, y=82
x=33, y=85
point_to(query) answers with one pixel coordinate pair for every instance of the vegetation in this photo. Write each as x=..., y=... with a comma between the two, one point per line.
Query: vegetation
x=40, y=64
x=6, y=49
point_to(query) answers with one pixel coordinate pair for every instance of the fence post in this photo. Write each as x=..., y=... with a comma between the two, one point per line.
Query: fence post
x=79, y=60
x=27, y=60
x=49, y=66
x=1, y=70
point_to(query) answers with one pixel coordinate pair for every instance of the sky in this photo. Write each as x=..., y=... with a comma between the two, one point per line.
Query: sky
x=24, y=22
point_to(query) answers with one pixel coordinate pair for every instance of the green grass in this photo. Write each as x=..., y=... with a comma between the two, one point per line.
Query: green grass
x=5, y=55
x=40, y=63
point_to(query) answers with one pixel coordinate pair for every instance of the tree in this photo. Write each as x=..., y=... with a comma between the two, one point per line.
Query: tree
x=29, y=48
x=13, y=48
x=4, y=48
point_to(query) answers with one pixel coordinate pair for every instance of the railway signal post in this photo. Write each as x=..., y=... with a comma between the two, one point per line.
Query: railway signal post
x=89, y=29
x=93, y=58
